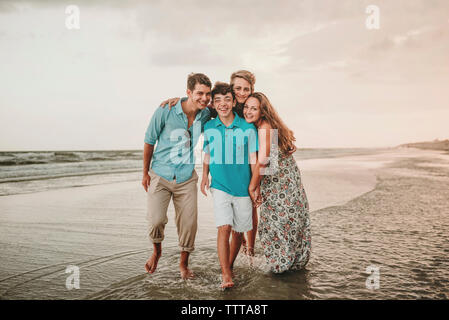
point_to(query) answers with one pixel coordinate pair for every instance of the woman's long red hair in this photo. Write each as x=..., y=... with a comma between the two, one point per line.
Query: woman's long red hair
x=268, y=113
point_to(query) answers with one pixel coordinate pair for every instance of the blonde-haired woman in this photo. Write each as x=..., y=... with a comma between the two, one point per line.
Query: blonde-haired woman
x=242, y=82
x=284, y=226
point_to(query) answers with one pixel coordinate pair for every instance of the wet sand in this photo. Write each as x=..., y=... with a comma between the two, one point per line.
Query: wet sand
x=388, y=209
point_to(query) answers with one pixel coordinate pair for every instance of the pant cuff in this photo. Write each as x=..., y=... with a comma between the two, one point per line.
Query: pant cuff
x=188, y=249
x=157, y=240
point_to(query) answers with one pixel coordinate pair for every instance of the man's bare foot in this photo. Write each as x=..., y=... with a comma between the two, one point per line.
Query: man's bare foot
x=186, y=273
x=226, y=281
x=151, y=264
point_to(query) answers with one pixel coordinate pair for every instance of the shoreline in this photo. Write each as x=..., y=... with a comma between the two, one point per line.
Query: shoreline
x=402, y=230
x=35, y=173
x=370, y=230
x=103, y=227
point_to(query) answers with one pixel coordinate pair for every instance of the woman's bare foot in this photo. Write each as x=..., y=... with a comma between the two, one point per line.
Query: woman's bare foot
x=151, y=264
x=226, y=281
x=186, y=273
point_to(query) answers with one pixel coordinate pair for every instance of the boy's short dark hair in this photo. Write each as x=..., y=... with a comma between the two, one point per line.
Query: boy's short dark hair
x=195, y=78
x=222, y=88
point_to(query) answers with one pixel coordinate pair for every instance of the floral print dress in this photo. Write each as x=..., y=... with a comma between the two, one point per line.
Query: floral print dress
x=284, y=225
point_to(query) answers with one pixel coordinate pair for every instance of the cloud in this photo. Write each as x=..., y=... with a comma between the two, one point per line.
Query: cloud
x=181, y=55
x=19, y=5
x=312, y=58
x=416, y=55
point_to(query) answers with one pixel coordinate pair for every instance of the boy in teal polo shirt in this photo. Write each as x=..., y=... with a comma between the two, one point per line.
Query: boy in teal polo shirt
x=230, y=146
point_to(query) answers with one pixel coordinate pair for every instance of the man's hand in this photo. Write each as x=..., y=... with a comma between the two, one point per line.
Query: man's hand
x=146, y=181
x=171, y=103
x=204, y=185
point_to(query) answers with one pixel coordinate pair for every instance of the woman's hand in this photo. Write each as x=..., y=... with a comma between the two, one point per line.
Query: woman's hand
x=171, y=103
x=292, y=150
x=254, y=193
x=204, y=185
x=259, y=197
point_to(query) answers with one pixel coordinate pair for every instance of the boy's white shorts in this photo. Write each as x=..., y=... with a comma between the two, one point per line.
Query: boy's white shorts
x=234, y=211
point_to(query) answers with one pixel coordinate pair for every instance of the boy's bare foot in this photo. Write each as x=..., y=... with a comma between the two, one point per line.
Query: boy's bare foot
x=186, y=273
x=151, y=264
x=244, y=247
x=226, y=281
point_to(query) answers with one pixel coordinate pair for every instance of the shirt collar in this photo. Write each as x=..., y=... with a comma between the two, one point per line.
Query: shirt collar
x=178, y=109
x=235, y=123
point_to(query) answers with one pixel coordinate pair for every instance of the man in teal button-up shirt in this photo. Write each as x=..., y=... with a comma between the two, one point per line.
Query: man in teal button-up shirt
x=173, y=157
x=172, y=173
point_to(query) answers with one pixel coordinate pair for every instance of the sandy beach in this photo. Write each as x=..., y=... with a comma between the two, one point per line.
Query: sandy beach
x=388, y=209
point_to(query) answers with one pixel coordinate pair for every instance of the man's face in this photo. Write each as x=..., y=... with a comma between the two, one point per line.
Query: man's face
x=200, y=96
x=223, y=104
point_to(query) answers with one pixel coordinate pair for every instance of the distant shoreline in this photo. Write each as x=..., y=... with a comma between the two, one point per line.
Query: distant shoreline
x=442, y=145
x=141, y=150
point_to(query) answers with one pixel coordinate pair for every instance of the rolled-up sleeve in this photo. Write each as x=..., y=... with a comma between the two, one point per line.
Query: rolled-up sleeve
x=156, y=125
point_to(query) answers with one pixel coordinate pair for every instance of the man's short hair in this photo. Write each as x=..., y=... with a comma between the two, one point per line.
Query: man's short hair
x=222, y=88
x=195, y=78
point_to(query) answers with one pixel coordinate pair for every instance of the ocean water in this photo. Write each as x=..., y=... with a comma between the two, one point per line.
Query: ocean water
x=24, y=172
x=399, y=227
x=33, y=171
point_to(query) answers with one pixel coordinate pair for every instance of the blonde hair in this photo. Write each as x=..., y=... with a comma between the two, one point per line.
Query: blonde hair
x=244, y=74
x=286, y=137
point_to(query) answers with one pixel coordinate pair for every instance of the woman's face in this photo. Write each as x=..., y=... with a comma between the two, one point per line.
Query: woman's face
x=251, y=110
x=242, y=89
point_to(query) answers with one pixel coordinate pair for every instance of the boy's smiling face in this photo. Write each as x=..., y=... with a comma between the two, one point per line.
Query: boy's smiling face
x=223, y=104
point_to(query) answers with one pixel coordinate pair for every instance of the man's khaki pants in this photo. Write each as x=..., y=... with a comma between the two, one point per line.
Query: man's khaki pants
x=186, y=208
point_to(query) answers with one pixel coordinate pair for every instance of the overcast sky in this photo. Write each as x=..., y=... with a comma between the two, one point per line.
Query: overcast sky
x=334, y=82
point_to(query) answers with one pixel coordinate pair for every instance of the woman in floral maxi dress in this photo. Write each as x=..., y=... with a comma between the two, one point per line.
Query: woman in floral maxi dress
x=284, y=225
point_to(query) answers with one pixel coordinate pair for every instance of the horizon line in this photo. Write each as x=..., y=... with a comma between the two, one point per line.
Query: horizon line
x=105, y=150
